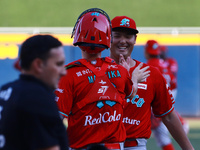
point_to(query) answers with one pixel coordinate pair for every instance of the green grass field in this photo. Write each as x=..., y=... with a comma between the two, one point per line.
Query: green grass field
x=63, y=13
x=194, y=136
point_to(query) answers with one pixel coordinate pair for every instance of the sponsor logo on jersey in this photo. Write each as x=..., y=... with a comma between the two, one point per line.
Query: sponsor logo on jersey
x=109, y=74
x=83, y=72
x=142, y=86
x=103, y=118
x=102, y=82
x=131, y=121
x=112, y=66
x=103, y=89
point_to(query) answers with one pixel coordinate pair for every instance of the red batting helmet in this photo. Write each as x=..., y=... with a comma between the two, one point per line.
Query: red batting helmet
x=92, y=31
x=152, y=47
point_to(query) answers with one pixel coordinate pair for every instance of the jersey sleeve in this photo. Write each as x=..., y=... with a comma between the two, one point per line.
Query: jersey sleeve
x=64, y=95
x=163, y=100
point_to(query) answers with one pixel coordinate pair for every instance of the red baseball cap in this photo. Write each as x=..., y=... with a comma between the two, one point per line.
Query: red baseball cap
x=152, y=47
x=124, y=22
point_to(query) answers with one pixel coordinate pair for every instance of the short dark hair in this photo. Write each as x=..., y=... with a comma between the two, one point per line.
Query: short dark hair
x=130, y=31
x=37, y=46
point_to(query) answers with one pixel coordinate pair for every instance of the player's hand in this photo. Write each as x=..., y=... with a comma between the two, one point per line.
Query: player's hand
x=141, y=74
x=124, y=63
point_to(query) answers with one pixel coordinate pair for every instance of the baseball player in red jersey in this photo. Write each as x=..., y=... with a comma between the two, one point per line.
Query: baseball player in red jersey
x=172, y=66
x=152, y=93
x=92, y=93
x=160, y=132
x=171, y=62
x=152, y=53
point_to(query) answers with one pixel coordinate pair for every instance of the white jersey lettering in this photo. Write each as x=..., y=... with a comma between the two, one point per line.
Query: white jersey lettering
x=131, y=121
x=103, y=118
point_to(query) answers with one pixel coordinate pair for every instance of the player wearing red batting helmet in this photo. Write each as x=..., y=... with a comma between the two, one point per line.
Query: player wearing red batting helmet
x=92, y=93
x=152, y=92
x=92, y=32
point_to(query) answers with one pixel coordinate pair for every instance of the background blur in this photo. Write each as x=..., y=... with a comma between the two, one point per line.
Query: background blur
x=173, y=23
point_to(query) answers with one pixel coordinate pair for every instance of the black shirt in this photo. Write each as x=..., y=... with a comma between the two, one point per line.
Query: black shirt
x=29, y=116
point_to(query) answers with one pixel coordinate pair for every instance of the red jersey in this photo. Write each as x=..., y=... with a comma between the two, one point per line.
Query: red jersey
x=163, y=66
x=92, y=95
x=153, y=93
x=172, y=65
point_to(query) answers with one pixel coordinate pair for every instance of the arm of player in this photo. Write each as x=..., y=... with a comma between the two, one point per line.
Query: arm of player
x=138, y=75
x=174, y=126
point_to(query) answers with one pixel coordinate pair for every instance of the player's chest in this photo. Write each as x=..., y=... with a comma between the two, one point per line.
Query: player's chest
x=146, y=90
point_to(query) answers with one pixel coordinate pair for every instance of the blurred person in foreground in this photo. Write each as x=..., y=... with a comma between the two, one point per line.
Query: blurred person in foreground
x=29, y=115
x=91, y=95
x=153, y=93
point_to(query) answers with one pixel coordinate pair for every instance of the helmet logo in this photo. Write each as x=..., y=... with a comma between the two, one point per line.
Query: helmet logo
x=125, y=22
x=95, y=14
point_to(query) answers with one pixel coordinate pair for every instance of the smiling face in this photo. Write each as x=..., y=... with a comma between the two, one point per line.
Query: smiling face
x=123, y=43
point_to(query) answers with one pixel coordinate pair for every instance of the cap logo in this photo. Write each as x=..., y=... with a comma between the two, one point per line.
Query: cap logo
x=155, y=46
x=125, y=22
